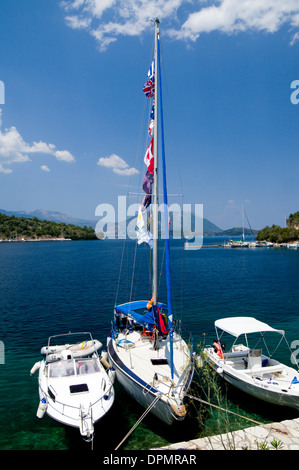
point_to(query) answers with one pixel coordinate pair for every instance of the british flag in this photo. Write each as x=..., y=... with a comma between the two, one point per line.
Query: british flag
x=149, y=89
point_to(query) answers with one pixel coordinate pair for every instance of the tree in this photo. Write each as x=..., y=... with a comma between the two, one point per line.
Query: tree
x=277, y=234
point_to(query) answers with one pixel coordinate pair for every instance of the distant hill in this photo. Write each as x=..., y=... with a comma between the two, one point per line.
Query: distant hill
x=175, y=229
x=208, y=227
x=53, y=216
x=237, y=231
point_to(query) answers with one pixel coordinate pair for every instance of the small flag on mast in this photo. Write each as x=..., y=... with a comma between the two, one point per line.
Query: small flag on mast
x=149, y=157
x=151, y=71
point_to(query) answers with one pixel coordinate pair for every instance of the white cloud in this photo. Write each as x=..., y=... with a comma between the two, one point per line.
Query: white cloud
x=231, y=16
x=107, y=20
x=110, y=19
x=76, y=22
x=13, y=149
x=117, y=164
x=45, y=168
x=94, y=7
x=295, y=38
x=64, y=155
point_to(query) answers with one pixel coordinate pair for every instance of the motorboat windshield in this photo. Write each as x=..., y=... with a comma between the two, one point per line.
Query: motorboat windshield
x=70, y=367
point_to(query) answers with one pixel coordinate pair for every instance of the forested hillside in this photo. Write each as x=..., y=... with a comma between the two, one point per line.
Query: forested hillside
x=277, y=234
x=16, y=228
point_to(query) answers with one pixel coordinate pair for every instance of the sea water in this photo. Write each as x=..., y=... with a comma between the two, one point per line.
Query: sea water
x=49, y=288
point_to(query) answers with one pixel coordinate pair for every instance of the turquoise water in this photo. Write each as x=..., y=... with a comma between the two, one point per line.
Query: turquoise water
x=49, y=288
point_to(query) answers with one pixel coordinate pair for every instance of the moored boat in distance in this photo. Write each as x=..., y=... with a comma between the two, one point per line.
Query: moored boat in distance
x=236, y=244
x=294, y=246
x=261, y=244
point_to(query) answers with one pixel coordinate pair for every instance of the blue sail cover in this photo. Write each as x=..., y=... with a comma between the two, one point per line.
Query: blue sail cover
x=146, y=319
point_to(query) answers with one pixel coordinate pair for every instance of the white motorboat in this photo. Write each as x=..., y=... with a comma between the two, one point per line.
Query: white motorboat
x=262, y=244
x=152, y=361
x=74, y=386
x=250, y=370
x=293, y=246
x=239, y=244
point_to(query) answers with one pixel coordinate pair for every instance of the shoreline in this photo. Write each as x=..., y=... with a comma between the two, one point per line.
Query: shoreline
x=292, y=244
x=36, y=240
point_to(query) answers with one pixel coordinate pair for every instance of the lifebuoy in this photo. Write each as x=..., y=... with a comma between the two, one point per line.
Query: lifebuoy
x=218, y=349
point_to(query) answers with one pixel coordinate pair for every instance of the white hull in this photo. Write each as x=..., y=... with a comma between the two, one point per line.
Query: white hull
x=135, y=372
x=161, y=409
x=75, y=391
x=67, y=407
x=271, y=383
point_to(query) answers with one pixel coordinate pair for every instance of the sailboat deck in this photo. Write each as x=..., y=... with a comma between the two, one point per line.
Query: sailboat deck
x=138, y=354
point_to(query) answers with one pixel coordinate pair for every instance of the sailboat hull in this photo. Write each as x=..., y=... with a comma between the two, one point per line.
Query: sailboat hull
x=166, y=408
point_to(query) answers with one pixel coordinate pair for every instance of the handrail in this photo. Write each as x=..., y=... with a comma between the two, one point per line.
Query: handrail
x=106, y=392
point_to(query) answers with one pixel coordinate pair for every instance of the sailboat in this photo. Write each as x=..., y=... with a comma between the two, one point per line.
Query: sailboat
x=238, y=243
x=152, y=361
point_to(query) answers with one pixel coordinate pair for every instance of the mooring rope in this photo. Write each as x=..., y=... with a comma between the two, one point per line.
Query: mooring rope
x=139, y=420
x=223, y=409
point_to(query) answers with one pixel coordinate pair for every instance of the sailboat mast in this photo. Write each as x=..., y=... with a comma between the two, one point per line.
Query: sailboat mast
x=155, y=186
x=243, y=236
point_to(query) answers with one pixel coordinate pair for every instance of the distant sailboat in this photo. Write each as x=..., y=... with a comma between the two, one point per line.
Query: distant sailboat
x=238, y=243
x=152, y=361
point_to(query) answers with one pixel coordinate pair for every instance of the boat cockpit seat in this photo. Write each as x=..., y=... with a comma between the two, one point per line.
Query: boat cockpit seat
x=83, y=369
x=254, y=358
x=86, y=369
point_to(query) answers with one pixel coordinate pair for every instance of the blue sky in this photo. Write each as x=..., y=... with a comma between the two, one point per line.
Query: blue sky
x=73, y=72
